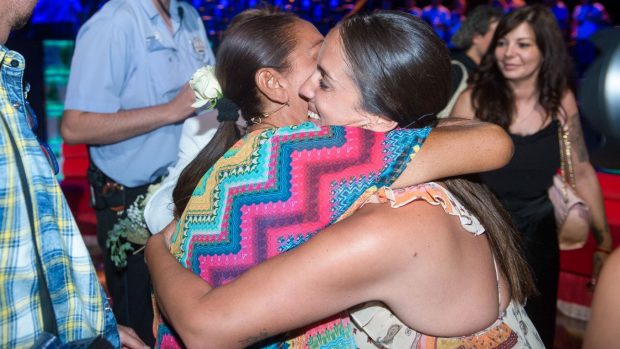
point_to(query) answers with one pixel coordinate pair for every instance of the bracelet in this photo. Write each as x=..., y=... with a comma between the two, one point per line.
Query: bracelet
x=598, y=249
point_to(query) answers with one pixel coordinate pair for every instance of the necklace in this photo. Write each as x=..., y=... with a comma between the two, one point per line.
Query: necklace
x=523, y=123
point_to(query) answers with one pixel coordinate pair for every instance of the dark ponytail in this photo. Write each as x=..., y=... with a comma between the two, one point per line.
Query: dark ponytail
x=226, y=135
x=255, y=39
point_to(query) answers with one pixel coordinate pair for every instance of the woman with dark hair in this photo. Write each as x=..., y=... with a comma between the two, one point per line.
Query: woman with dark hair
x=405, y=257
x=342, y=165
x=523, y=85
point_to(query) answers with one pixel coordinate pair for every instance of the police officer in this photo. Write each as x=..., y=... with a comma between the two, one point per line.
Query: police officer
x=127, y=97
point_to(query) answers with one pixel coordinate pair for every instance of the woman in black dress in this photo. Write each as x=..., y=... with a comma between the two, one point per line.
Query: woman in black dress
x=523, y=85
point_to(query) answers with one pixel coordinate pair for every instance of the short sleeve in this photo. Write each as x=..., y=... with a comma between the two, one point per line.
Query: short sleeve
x=100, y=66
x=400, y=147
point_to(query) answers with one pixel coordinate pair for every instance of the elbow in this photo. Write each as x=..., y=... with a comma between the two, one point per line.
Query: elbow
x=585, y=173
x=195, y=341
x=205, y=331
x=69, y=135
x=502, y=147
x=509, y=148
x=194, y=332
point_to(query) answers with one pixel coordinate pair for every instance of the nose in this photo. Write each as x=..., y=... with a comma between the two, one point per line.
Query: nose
x=509, y=50
x=308, y=88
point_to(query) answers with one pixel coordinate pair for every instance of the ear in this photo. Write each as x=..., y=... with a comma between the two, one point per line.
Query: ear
x=380, y=124
x=272, y=85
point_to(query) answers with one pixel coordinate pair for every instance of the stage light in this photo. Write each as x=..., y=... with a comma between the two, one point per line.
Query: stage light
x=599, y=97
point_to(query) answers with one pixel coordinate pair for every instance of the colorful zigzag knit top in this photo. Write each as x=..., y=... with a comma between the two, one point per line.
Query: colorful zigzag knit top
x=272, y=191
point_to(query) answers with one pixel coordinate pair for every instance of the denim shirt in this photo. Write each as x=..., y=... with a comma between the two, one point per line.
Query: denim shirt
x=126, y=58
x=32, y=204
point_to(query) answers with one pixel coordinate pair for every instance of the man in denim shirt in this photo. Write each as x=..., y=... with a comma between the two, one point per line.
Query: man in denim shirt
x=48, y=282
x=127, y=98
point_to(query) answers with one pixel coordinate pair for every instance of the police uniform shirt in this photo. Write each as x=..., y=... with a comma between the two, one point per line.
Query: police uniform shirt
x=126, y=58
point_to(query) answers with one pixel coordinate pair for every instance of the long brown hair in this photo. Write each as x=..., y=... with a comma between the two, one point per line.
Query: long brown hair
x=501, y=233
x=255, y=39
x=408, y=67
x=397, y=52
x=492, y=98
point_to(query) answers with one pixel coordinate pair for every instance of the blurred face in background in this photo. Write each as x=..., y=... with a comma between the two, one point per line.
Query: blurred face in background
x=481, y=42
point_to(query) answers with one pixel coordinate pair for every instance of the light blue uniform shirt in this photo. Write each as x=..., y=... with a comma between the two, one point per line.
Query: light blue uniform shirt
x=126, y=58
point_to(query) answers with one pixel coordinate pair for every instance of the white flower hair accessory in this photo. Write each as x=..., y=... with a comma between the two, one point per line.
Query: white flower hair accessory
x=206, y=87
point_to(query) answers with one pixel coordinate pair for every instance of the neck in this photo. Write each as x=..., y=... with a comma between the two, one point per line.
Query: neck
x=524, y=91
x=163, y=7
x=5, y=29
x=473, y=54
x=278, y=115
x=166, y=7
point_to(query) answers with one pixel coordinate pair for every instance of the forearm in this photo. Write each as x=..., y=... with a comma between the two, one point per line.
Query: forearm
x=458, y=147
x=590, y=190
x=178, y=290
x=100, y=128
x=480, y=147
x=586, y=181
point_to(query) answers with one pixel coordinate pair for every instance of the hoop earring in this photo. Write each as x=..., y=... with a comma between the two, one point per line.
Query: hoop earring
x=259, y=119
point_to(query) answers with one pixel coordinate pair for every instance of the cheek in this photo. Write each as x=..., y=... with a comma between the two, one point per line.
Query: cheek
x=320, y=101
x=303, y=80
x=324, y=107
x=498, y=53
x=306, y=68
x=528, y=59
x=487, y=42
x=536, y=59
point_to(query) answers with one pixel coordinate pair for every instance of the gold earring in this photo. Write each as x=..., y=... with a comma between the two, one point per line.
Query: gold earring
x=259, y=119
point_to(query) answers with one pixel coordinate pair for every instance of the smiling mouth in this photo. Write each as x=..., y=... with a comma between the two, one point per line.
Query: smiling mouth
x=313, y=115
x=510, y=66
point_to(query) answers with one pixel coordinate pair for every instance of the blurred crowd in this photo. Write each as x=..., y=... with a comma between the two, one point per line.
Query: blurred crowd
x=578, y=19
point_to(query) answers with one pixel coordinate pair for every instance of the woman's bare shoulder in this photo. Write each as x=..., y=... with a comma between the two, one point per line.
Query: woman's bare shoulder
x=568, y=105
x=463, y=107
x=415, y=225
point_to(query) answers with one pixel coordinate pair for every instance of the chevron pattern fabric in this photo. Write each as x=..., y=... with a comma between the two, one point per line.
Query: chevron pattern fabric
x=275, y=189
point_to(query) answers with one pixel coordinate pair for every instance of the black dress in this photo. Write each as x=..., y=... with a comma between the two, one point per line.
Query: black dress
x=522, y=186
